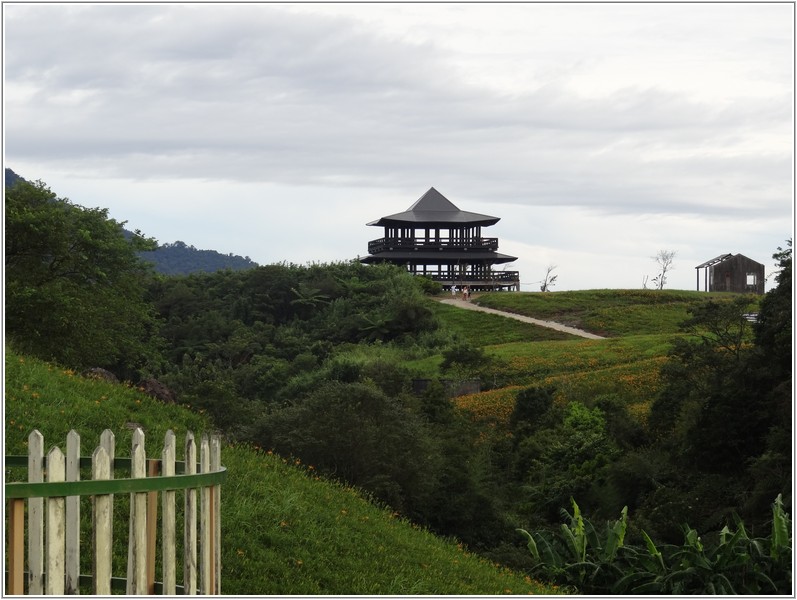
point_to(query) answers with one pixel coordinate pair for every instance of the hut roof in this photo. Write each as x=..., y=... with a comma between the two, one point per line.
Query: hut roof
x=714, y=261
x=435, y=209
x=722, y=258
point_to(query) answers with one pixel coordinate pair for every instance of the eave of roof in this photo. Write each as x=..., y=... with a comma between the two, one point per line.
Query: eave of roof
x=435, y=209
x=431, y=257
x=714, y=261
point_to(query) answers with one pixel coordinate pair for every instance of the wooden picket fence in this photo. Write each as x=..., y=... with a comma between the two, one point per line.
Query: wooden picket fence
x=54, y=523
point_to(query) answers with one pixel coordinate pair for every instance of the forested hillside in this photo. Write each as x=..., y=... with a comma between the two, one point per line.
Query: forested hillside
x=176, y=258
x=179, y=258
x=680, y=417
x=11, y=178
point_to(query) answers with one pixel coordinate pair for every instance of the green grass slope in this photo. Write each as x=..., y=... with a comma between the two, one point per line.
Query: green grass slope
x=284, y=530
x=640, y=324
x=609, y=313
x=482, y=329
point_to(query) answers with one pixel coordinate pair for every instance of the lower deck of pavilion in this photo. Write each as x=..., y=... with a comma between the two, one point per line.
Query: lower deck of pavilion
x=482, y=280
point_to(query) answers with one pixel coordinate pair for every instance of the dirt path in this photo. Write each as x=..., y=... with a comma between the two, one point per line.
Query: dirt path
x=550, y=324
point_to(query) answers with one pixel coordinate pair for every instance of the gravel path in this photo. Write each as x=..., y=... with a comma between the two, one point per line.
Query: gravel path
x=550, y=324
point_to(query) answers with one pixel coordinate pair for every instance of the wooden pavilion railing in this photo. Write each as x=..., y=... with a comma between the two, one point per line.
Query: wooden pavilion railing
x=54, y=521
x=469, y=277
x=444, y=243
x=477, y=281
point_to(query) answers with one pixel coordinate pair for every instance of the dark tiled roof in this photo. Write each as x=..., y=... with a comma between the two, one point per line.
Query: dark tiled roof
x=435, y=209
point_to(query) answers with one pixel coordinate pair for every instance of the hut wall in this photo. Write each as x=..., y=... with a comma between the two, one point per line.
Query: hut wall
x=737, y=274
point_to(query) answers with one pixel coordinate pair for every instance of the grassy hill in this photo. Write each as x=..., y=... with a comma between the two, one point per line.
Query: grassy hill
x=640, y=325
x=610, y=313
x=284, y=529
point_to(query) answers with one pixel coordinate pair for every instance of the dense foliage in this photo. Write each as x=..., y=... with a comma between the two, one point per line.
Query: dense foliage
x=74, y=287
x=319, y=362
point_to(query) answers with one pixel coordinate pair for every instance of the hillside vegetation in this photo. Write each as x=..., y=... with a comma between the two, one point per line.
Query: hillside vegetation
x=285, y=530
x=681, y=416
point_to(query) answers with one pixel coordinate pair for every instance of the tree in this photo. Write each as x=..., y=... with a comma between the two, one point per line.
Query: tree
x=531, y=406
x=724, y=410
x=707, y=401
x=549, y=280
x=357, y=433
x=571, y=458
x=664, y=259
x=773, y=332
x=74, y=283
x=772, y=364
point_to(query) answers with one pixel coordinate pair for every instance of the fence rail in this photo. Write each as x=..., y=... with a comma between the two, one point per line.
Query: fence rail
x=54, y=532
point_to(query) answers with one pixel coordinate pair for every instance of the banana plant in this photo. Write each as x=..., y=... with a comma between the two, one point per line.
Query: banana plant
x=579, y=556
x=781, y=526
x=575, y=534
x=616, y=536
x=736, y=564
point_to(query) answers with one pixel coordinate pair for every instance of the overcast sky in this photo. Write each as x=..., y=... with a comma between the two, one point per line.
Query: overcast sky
x=598, y=133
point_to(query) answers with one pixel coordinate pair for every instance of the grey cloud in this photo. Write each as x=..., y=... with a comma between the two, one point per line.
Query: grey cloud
x=255, y=93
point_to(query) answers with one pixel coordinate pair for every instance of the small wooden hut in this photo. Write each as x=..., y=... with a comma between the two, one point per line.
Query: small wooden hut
x=731, y=273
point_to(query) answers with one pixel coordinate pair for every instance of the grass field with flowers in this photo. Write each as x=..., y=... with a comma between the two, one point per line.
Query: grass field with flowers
x=640, y=326
x=285, y=530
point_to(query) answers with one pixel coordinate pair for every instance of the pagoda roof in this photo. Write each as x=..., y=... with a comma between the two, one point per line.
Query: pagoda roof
x=435, y=209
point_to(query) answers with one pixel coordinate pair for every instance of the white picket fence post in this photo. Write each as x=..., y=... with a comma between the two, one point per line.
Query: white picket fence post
x=54, y=535
x=205, y=531
x=55, y=571
x=72, y=564
x=137, y=545
x=102, y=525
x=36, y=516
x=189, y=554
x=215, y=465
x=169, y=532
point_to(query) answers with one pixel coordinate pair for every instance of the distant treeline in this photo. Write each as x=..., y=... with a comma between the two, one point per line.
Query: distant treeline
x=181, y=259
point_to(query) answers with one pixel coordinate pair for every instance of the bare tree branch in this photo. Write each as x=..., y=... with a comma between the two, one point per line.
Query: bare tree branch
x=664, y=258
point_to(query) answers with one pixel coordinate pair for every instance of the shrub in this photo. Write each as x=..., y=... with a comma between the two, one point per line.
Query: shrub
x=355, y=432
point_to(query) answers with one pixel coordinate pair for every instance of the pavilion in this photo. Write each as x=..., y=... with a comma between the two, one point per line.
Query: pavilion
x=436, y=239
